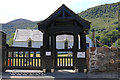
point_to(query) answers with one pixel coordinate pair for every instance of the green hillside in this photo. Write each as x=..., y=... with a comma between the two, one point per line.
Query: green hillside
x=10, y=27
x=104, y=19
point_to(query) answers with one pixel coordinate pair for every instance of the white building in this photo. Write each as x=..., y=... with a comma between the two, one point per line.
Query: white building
x=34, y=38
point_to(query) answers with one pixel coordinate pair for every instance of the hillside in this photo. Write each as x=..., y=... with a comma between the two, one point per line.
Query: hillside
x=11, y=26
x=104, y=20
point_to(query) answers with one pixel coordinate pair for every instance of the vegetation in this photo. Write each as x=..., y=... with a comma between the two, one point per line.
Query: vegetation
x=110, y=37
x=104, y=20
x=118, y=43
x=10, y=42
x=11, y=26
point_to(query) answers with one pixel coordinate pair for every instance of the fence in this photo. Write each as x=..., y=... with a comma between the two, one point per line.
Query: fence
x=23, y=58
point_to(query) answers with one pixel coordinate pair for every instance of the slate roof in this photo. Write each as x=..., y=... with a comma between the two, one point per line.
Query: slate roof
x=26, y=34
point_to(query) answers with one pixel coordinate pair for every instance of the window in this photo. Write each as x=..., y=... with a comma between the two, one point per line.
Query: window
x=29, y=43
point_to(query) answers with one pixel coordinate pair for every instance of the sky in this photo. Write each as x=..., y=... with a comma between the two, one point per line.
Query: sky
x=36, y=10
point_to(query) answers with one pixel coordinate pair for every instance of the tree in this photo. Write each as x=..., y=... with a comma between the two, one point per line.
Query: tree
x=118, y=43
x=110, y=37
x=10, y=41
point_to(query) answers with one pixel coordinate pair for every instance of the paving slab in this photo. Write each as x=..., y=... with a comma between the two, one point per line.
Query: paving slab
x=58, y=75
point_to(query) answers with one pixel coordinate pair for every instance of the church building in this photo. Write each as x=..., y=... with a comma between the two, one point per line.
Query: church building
x=34, y=39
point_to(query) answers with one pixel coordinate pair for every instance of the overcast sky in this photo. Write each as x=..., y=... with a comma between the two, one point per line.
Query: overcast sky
x=36, y=10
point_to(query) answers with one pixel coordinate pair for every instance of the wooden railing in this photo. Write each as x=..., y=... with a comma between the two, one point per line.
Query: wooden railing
x=23, y=58
x=65, y=61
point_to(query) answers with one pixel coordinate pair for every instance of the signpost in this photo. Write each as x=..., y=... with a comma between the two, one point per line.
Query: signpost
x=80, y=54
x=48, y=53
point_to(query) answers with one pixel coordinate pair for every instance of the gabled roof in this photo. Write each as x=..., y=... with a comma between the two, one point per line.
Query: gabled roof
x=84, y=23
x=26, y=34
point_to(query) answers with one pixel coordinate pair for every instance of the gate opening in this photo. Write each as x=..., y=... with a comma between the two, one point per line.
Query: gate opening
x=65, y=59
x=64, y=47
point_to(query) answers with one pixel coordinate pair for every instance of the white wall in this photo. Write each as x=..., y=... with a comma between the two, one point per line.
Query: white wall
x=25, y=44
x=60, y=45
x=37, y=44
x=20, y=44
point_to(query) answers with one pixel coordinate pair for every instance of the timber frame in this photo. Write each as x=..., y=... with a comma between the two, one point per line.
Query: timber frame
x=64, y=21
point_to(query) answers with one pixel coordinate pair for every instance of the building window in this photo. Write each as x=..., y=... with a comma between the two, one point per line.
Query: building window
x=29, y=43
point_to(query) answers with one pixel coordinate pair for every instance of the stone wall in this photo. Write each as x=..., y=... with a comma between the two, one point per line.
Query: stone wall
x=103, y=59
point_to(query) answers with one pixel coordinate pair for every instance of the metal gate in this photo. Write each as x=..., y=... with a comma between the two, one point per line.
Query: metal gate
x=23, y=58
x=65, y=60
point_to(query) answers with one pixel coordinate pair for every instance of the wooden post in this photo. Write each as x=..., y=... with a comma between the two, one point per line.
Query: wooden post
x=2, y=52
x=53, y=45
x=75, y=50
x=0, y=56
x=94, y=38
x=81, y=61
x=47, y=59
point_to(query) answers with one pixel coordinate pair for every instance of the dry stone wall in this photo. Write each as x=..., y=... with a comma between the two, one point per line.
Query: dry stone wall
x=103, y=59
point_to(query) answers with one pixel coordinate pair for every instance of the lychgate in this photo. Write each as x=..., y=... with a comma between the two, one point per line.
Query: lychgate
x=64, y=22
